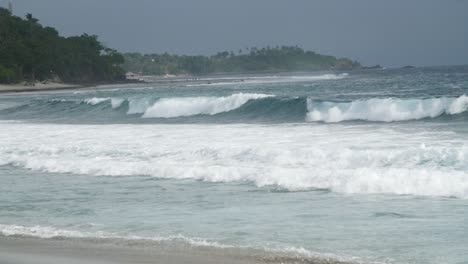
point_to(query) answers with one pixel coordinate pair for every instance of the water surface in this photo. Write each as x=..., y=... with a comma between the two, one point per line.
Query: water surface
x=369, y=166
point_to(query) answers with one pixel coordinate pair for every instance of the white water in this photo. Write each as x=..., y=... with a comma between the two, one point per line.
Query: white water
x=189, y=106
x=303, y=157
x=386, y=110
x=53, y=232
x=95, y=100
x=115, y=102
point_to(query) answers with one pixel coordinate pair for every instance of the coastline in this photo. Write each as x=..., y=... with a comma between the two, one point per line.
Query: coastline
x=31, y=250
x=17, y=88
x=25, y=250
x=147, y=79
x=52, y=86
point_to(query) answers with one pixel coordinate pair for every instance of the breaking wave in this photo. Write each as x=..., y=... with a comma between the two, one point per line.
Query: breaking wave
x=115, y=102
x=176, y=107
x=240, y=107
x=386, y=110
x=315, y=158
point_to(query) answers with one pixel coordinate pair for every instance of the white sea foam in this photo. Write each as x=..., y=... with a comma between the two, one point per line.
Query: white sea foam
x=459, y=105
x=189, y=106
x=291, y=157
x=49, y=232
x=95, y=100
x=53, y=232
x=115, y=102
x=386, y=110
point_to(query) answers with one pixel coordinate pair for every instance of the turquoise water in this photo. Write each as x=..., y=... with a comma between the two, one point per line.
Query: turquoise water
x=369, y=167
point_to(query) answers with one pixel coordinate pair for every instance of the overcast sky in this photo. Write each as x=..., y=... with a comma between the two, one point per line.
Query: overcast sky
x=388, y=32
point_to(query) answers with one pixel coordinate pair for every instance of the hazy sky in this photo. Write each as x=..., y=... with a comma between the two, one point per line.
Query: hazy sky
x=389, y=32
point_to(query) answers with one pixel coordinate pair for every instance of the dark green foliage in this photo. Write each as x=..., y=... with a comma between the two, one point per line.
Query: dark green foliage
x=256, y=60
x=29, y=51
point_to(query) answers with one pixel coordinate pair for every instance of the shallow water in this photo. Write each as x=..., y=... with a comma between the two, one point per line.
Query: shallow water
x=368, y=167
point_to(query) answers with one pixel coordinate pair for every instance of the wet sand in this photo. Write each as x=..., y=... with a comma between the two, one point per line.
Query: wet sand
x=15, y=250
x=11, y=88
x=26, y=250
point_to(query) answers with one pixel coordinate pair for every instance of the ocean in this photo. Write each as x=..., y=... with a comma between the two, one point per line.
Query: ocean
x=361, y=167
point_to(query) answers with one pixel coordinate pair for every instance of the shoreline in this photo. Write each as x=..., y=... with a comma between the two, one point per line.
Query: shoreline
x=18, y=88
x=32, y=250
x=156, y=79
x=52, y=86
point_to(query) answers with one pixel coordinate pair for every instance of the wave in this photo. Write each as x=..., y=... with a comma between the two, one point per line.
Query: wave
x=138, y=105
x=386, y=110
x=317, y=157
x=239, y=107
x=115, y=102
x=375, y=109
x=397, y=181
x=190, y=106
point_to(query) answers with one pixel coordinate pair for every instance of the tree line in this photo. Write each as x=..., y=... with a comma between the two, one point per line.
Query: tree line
x=30, y=52
x=267, y=59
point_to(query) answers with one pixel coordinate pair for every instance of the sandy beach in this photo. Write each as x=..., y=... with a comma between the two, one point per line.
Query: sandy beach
x=14, y=250
x=24, y=250
x=9, y=88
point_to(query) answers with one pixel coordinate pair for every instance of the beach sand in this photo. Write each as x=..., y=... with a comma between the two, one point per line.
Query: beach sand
x=24, y=250
x=14, y=250
x=8, y=88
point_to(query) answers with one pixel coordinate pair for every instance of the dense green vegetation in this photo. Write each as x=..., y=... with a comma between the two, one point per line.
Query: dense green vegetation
x=250, y=60
x=30, y=52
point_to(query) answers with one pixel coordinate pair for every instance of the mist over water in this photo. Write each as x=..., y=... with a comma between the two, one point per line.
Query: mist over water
x=368, y=166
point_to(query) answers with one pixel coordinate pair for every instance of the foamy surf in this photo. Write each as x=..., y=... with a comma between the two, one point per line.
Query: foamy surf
x=401, y=163
x=301, y=165
x=49, y=232
x=115, y=102
x=386, y=110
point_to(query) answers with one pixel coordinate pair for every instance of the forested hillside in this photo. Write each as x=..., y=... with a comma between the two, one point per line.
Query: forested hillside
x=249, y=60
x=30, y=52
